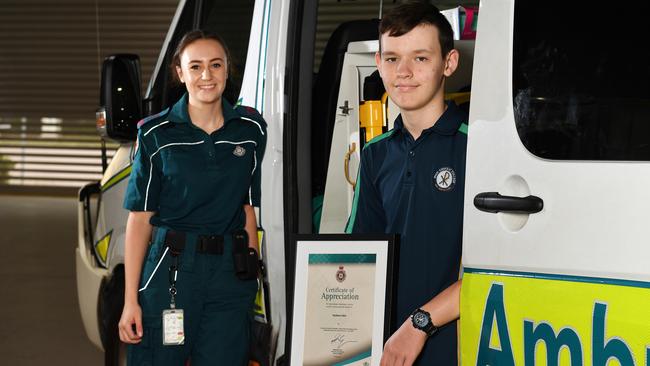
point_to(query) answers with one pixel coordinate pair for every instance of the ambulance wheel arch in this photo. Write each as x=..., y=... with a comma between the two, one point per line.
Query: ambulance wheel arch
x=110, y=304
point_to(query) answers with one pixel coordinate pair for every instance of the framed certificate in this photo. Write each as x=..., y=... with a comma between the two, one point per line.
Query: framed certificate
x=342, y=299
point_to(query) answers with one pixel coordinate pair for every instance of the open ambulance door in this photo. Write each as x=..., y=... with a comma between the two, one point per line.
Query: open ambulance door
x=330, y=53
x=352, y=122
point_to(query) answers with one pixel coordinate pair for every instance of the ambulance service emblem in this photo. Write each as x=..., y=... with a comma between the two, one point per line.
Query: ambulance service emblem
x=239, y=151
x=444, y=179
x=340, y=274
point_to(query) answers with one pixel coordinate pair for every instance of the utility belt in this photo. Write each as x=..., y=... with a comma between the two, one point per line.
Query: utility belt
x=207, y=244
x=245, y=259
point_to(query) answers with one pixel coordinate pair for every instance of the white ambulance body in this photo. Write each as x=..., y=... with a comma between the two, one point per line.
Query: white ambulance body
x=559, y=121
x=560, y=277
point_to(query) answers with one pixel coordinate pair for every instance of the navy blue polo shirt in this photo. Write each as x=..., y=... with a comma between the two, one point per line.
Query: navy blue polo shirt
x=194, y=181
x=415, y=188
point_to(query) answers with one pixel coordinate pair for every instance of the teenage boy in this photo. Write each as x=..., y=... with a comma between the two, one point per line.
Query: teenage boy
x=411, y=182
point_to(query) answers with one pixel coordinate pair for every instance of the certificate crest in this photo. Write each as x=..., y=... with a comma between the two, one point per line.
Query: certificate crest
x=340, y=274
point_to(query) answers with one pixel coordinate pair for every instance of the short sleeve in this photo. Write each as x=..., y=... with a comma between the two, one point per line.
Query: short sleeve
x=143, y=191
x=255, y=192
x=367, y=214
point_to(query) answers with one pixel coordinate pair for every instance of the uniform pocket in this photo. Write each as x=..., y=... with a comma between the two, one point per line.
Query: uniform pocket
x=154, y=266
x=238, y=158
x=143, y=352
x=151, y=326
x=154, y=251
x=184, y=160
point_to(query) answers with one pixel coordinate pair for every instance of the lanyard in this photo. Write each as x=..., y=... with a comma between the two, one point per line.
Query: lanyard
x=173, y=272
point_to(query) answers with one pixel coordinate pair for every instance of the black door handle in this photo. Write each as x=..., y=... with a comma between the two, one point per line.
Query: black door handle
x=494, y=202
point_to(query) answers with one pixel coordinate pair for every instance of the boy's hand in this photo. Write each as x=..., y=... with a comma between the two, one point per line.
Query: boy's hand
x=404, y=346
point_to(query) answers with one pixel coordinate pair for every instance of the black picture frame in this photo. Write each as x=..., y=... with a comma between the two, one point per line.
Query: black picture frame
x=390, y=242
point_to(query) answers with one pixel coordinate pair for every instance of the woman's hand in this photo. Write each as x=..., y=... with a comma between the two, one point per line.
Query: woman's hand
x=251, y=227
x=131, y=318
x=138, y=235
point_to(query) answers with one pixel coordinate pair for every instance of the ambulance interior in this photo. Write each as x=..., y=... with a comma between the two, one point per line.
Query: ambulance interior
x=350, y=107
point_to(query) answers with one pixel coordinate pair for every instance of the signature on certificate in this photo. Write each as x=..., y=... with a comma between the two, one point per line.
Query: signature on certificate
x=339, y=341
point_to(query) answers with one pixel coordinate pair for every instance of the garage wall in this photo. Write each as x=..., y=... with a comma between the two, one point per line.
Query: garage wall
x=50, y=66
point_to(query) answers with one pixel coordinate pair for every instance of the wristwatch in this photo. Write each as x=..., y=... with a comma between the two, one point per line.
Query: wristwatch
x=422, y=321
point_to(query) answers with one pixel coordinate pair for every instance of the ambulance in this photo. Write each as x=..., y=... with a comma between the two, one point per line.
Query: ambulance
x=555, y=251
x=556, y=270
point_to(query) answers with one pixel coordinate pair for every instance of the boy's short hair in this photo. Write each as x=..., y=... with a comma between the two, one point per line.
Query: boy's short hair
x=406, y=16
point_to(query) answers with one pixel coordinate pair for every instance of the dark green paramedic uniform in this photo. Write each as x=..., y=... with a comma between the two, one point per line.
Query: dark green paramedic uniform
x=196, y=184
x=415, y=188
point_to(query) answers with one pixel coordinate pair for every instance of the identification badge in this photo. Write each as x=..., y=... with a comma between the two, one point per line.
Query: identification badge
x=173, y=330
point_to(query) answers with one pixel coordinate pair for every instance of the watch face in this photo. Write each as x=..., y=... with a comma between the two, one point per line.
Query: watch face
x=420, y=319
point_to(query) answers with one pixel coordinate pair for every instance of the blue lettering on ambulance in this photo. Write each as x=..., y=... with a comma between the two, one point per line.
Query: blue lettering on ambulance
x=494, y=310
x=602, y=350
x=614, y=348
x=543, y=332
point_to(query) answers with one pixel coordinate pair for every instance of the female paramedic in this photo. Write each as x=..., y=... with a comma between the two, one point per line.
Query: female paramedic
x=190, y=272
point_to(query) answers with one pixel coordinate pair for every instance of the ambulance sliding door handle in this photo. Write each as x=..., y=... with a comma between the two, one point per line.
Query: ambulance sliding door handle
x=494, y=202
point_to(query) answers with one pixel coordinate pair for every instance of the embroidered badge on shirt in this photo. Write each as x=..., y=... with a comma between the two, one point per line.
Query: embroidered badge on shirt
x=444, y=179
x=239, y=151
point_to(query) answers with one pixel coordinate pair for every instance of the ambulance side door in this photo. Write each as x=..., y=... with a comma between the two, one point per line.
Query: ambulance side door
x=556, y=225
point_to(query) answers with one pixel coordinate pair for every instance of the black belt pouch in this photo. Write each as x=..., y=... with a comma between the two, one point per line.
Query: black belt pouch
x=244, y=258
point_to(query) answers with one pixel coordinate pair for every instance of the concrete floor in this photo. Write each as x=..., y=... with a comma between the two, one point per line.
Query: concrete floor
x=39, y=314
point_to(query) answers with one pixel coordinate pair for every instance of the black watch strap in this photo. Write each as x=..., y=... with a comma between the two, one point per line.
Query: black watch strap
x=422, y=320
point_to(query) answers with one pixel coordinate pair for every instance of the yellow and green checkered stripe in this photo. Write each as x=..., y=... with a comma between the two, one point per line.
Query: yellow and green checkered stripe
x=121, y=175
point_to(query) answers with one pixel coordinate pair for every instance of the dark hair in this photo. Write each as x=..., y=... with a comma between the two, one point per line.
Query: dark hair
x=406, y=16
x=189, y=38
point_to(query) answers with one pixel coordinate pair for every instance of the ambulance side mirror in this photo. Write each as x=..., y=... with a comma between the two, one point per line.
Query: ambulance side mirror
x=120, y=98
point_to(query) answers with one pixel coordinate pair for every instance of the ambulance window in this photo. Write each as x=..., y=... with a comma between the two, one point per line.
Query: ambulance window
x=581, y=81
x=232, y=21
